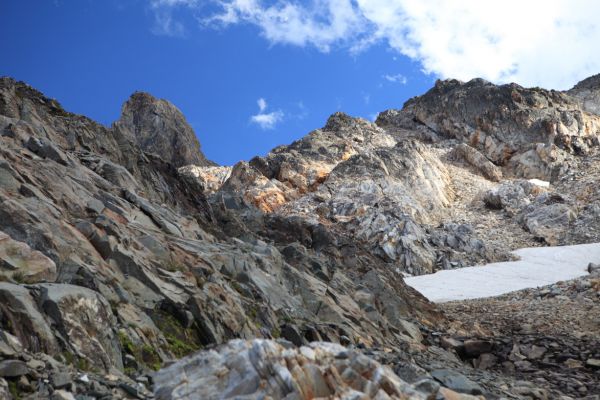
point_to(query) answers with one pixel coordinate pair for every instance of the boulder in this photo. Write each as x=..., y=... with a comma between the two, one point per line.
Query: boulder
x=12, y=368
x=548, y=222
x=263, y=368
x=456, y=381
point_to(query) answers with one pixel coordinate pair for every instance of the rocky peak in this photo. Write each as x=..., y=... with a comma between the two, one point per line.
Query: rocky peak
x=588, y=93
x=508, y=124
x=159, y=127
x=592, y=82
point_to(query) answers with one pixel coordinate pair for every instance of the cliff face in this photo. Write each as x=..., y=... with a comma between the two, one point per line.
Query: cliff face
x=123, y=248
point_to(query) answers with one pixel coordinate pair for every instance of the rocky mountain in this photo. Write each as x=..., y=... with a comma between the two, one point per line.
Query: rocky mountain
x=124, y=248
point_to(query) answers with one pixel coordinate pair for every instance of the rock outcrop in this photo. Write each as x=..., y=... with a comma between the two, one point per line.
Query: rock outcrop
x=158, y=127
x=530, y=132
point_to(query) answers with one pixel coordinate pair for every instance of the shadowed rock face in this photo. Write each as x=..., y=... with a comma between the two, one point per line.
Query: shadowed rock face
x=158, y=127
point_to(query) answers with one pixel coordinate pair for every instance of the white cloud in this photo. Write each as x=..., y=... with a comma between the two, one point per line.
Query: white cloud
x=397, y=78
x=548, y=43
x=266, y=120
x=262, y=104
x=321, y=24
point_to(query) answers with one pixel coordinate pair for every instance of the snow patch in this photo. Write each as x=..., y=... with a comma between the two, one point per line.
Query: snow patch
x=538, y=266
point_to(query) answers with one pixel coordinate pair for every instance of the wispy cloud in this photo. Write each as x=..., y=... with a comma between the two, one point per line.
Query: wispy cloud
x=266, y=120
x=262, y=104
x=548, y=43
x=165, y=24
x=397, y=78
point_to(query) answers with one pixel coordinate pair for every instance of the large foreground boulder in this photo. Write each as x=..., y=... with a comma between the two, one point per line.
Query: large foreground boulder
x=260, y=369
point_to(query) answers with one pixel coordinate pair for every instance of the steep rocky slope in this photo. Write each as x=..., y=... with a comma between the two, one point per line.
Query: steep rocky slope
x=111, y=260
x=123, y=248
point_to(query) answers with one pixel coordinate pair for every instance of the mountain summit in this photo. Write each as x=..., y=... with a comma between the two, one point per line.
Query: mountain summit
x=158, y=127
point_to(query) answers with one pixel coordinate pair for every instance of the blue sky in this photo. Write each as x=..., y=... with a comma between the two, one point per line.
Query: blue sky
x=252, y=74
x=68, y=51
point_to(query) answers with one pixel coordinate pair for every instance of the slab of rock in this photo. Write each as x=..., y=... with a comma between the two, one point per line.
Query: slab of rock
x=12, y=368
x=478, y=161
x=456, y=381
x=548, y=222
x=28, y=323
x=4, y=390
x=18, y=259
x=84, y=318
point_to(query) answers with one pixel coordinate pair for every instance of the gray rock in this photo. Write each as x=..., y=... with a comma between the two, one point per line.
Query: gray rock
x=13, y=368
x=456, y=381
x=476, y=347
x=159, y=127
x=85, y=320
x=18, y=259
x=478, y=161
x=548, y=222
x=485, y=361
x=29, y=325
x=62, y=395
x=593, y=363
x=4, y=390
x=61, y=380
x=95, y=206
x=237, y=369
x=9, y=345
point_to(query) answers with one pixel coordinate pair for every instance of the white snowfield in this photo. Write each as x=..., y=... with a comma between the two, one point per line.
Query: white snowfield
x=538, y=266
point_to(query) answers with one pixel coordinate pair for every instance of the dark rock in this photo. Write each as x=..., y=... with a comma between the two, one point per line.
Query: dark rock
x=485, y=361
x=593, y=268
x=12, y=368
x=291, y=333
x=157, y=126
x=456, y=381
x=476, y=347
x=61, y=380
